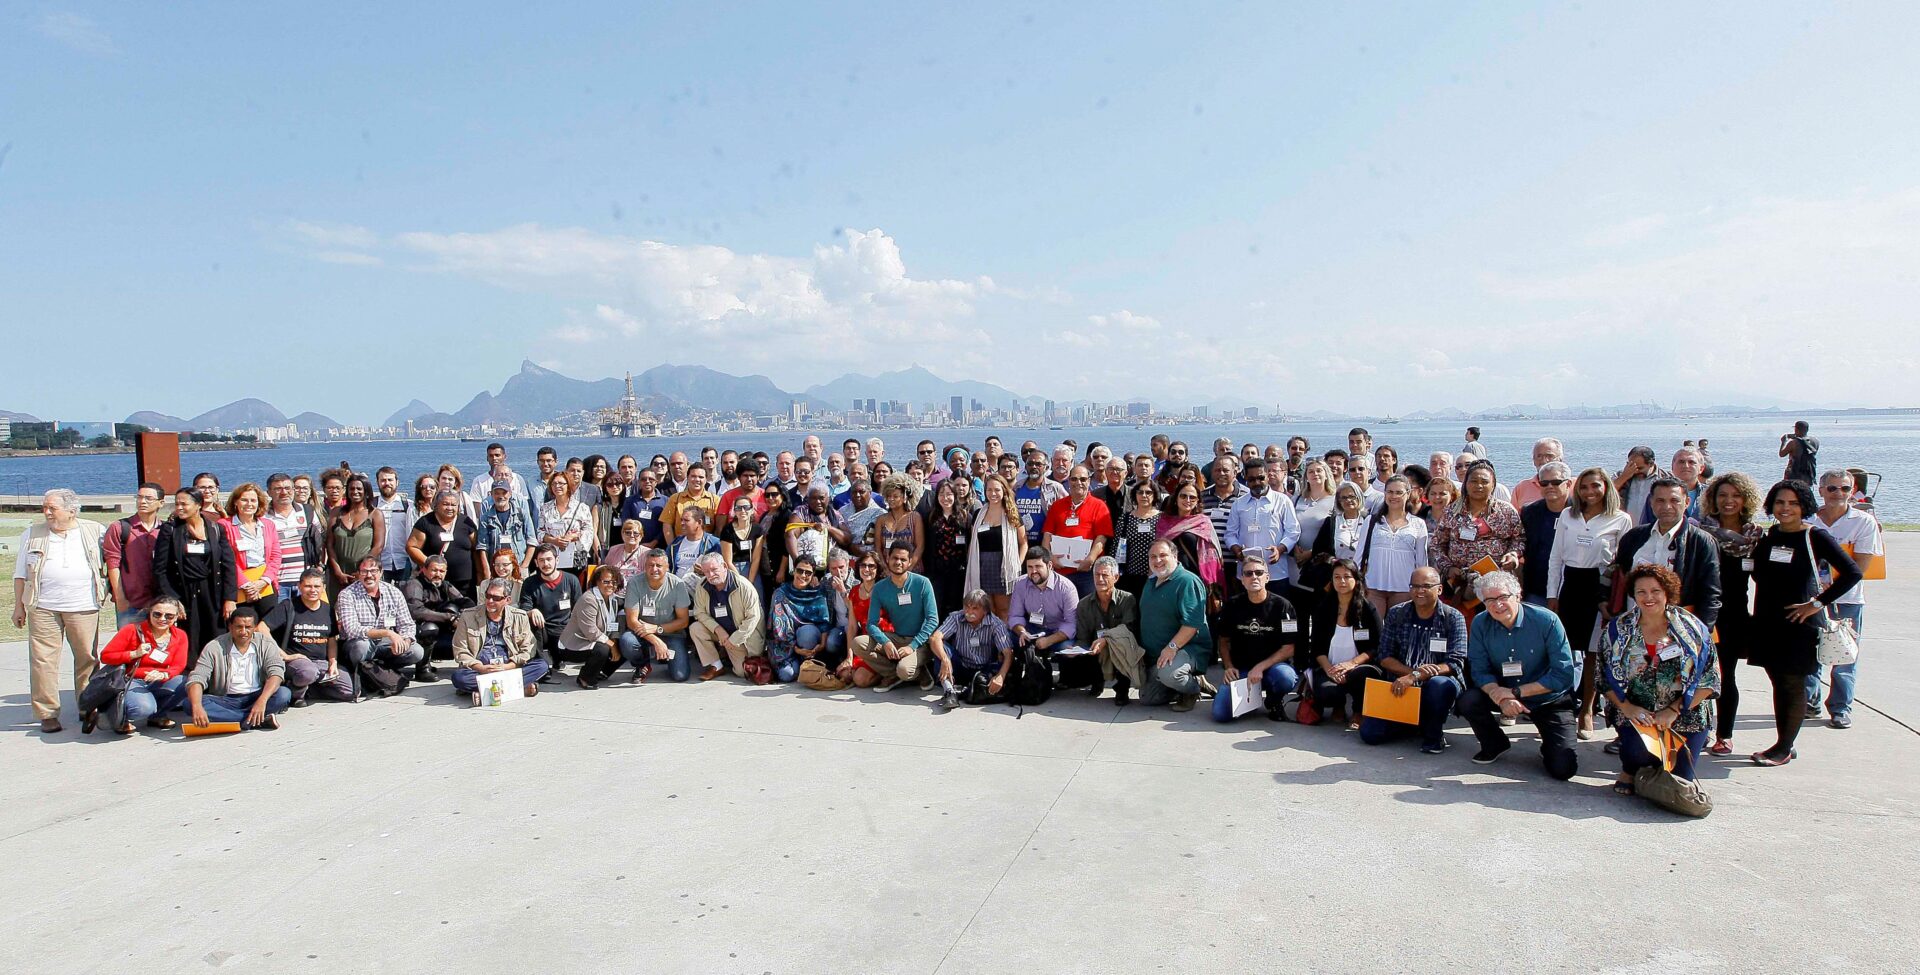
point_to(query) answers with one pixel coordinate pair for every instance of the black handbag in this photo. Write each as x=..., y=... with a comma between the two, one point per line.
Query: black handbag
x=106, y=685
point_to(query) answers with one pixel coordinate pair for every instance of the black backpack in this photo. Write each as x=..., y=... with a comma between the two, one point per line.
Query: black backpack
x=1030, y=681
x=379, y=680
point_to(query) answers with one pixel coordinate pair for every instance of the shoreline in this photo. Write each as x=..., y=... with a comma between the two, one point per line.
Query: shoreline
x=8, y=453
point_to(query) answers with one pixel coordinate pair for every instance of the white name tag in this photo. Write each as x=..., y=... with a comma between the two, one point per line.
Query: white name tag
x=1585, y=538
x=1469, y=533
x=1746, y=565
x=906, y=599
x=566, y=602
x=1289, y=626
x=1437, y=646
x=1510, y=669
x=1142, y=528
x=1778, y=554
x=644, y=513
x=1670, y=652
x=1359, y=635
x=648, y=608
x=1036, y=618
x=959, y=539
x=158, y=656
x=719, y=611
x=1072, y=522
x=196, y=548
x=974, y=642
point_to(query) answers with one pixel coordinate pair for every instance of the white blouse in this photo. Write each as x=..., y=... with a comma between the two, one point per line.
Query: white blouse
x=1583, y=543
x=1395, y=554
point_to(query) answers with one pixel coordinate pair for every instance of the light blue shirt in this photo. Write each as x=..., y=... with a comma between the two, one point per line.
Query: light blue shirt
x=1265, y=522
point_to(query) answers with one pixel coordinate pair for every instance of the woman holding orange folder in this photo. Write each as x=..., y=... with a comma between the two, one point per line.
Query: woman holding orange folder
x=1661, y=672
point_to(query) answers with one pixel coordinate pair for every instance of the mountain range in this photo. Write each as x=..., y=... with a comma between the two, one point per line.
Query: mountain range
x=536, y=394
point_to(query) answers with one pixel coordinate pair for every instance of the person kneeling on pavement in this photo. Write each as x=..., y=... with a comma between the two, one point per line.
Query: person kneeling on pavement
x=1173, y=617
x=972, y=645
x=1042, y=610
x=1107, y=618
x=1520, y=665
x=726, y=617
x=435, y=604
x=904, y=600
x=304, y=628
x=238, y=677
x=1424, y=646
x=548, y=597
x=495, y=637
x=659, y=611
x=1259, y=635
x=375, y=626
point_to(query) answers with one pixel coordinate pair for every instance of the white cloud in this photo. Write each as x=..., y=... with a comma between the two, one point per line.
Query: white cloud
x=1346, y=365
x=1124, y=319
x=1626, y=232
x=77, y=32
x=345, y=257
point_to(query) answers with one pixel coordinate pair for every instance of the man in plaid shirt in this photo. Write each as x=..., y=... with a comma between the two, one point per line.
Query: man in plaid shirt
x=374, y=621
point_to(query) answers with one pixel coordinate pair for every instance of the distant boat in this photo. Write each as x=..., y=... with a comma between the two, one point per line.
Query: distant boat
x=471, y=439
x=1388, y=421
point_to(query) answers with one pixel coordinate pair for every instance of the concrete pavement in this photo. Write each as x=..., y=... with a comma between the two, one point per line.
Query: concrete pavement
x=726, y=828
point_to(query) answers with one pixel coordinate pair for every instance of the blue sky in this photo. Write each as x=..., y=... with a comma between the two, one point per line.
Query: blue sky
x=1366, y=208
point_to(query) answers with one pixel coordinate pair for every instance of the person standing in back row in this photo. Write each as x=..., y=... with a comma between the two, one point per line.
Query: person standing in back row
x=1859, y=535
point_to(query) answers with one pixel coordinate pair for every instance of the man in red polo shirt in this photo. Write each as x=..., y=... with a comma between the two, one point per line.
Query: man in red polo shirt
x=1077, y=530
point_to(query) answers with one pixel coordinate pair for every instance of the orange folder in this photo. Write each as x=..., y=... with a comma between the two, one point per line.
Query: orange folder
x=212, y=728
x=1379, y=702
x=1658, y=741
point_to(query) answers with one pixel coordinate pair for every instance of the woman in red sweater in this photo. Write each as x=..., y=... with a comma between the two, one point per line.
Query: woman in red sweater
x=154, y=652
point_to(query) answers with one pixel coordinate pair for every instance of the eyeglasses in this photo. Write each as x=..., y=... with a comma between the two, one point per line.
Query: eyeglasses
x=1832, y=488
x=1556, y=482
x=157, y=615
x=1076, y=480
x=926, y=450
x=1426, y=585
x=1501, y=598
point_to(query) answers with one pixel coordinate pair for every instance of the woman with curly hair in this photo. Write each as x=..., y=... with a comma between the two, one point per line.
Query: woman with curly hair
x=1727, y=510
x=1788, y=604
x=1660, y=673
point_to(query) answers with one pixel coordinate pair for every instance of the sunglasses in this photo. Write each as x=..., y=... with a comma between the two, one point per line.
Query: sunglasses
x=1556, y=482
x=496, y=598
x=163, y=616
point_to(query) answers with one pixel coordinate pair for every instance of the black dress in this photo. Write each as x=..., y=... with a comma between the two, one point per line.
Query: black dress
x=457, y=550
x=199, y=573
x=946, y=561
x=1781, y=580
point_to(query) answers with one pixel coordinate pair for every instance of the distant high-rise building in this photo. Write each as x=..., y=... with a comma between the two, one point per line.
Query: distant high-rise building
x=796, y=411
x=1251, y=413
x=1201, y=411
x=856, y=406
x=977, y=407
x=955, y=409
x=1139, y=409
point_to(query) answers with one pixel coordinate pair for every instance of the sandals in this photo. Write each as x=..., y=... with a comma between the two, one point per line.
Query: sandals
x=1766, y=760
x=1720, y=746
x=1623, y=787
x=164, y=724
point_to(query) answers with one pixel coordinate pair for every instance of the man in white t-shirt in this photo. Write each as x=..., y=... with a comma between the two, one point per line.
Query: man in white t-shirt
x=58, y=582
x=1856, y=530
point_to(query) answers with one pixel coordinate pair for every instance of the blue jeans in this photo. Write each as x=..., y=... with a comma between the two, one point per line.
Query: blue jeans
x=1634, y=755
x=1276, y=682
x=679, y=669
x=466, y=681
x=1437, y=697
x=234, y=707
x=143, y=700
x=1840, y=681
x=362, y=650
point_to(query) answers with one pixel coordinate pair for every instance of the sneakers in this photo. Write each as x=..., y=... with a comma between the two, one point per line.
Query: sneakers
x=1441, y=747
x=887, y=684
x=1488, y=756
x=1507, y=720
x=1840, y=721
x=1813, y=712
x=1185, y=702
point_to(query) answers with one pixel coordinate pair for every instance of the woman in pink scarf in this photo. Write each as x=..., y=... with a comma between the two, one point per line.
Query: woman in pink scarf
x=1192, y=533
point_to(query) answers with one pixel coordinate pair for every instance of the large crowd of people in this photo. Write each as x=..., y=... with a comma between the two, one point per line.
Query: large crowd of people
x=1279, y=580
